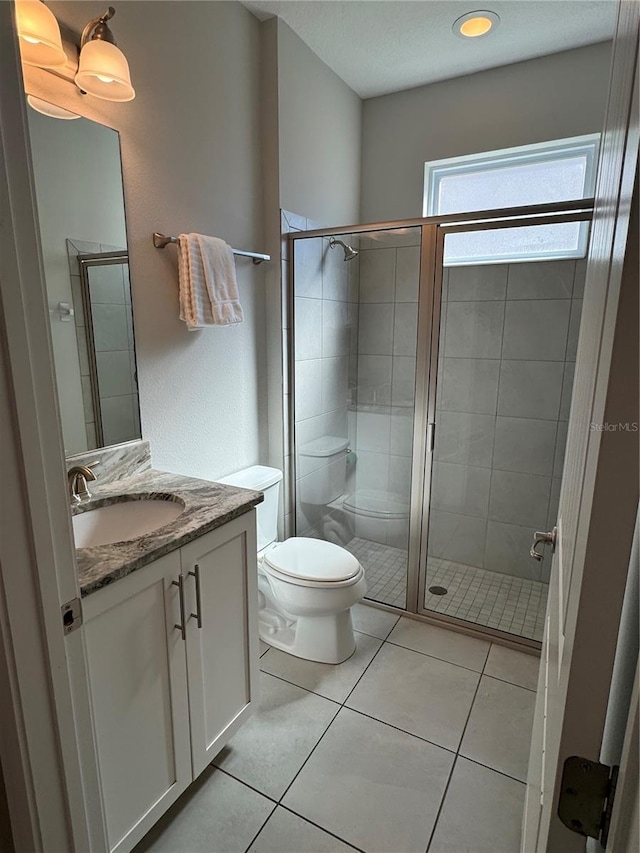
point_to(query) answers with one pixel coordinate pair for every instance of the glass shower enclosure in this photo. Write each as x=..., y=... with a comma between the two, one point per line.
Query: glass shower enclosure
x=354, y=359
x=431, y=368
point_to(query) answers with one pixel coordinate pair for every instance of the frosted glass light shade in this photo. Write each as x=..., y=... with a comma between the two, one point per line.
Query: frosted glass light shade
x=39, y=33
x=51, y=110
x=103, y=71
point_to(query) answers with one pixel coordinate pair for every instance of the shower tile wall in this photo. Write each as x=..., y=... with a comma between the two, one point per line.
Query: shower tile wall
x=110, y=297
x=74, y=248
x=383, y=413
x=116, y=369
x=505, y=374
x=325, y=311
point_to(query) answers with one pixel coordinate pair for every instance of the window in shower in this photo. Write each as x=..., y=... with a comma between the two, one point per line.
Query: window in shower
x=354, y=350
x=506, y=355
x=533, y=174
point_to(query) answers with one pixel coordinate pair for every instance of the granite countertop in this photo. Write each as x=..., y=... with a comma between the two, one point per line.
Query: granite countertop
x=207, y=505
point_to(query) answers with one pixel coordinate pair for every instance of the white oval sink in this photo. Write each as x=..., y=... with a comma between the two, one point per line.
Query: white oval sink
x=123, y=521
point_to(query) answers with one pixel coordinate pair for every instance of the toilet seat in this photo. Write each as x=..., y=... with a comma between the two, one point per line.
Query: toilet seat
x=312, y=562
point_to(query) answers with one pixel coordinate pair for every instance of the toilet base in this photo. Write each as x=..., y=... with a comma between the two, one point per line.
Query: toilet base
x=326, y=639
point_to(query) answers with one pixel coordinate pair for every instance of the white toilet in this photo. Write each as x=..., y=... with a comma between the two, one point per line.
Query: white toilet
x=306, y=586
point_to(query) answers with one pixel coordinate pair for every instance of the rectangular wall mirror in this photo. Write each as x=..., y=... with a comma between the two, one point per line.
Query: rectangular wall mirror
x=78, y=180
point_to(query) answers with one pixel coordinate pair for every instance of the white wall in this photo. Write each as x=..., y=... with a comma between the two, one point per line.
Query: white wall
x=79, y=192
x=556, y=96
x=320, y=128
x=311, y=134
x=191, y=162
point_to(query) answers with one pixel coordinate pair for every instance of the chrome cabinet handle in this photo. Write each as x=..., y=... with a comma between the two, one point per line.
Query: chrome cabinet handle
x=182, y=627
x=198, y=614
x=541, y=538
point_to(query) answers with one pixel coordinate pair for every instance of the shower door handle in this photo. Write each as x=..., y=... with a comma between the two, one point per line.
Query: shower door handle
x=542, y=538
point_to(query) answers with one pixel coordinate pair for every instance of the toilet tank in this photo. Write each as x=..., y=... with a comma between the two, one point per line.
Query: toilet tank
x=260, y=478
x=322, y=469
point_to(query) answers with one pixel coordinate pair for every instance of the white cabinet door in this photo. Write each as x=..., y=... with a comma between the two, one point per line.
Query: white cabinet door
x=222, y=653
x=138, y=685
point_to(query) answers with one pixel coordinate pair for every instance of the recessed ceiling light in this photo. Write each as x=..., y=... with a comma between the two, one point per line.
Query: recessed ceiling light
x=476, y=24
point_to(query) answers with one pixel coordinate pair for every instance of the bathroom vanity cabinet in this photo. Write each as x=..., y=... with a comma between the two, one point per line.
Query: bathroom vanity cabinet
x=167, y=699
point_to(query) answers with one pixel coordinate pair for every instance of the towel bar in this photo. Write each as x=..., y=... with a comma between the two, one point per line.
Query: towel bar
x=160, y=241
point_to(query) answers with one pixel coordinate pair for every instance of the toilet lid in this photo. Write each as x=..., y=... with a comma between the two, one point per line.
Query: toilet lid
x=312, y=560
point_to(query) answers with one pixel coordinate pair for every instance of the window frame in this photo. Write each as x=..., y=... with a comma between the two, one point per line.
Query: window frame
x=552, y=151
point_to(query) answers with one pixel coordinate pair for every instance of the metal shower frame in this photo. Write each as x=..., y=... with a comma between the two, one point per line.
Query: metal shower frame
x=434, y=230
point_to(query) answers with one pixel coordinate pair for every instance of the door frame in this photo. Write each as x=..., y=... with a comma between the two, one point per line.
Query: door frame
x=600, y=477
x=46, y=741
x=625, y=820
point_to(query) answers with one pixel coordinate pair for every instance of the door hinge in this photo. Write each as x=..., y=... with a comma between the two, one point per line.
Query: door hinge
x=586, y=797
x=431, y=437
x=71, y=615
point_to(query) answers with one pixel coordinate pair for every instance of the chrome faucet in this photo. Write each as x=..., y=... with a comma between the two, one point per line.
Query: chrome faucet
x=77, y=478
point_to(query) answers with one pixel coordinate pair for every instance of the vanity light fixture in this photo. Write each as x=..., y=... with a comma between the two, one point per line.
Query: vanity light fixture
x=476, y=24
x=39, y=35
x=51, y=110
x=103, y=70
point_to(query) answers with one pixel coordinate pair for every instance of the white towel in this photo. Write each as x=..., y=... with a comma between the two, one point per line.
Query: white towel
x=208, y=287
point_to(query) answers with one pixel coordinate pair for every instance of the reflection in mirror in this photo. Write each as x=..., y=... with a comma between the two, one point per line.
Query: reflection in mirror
x=78, y=180
x=111, y=390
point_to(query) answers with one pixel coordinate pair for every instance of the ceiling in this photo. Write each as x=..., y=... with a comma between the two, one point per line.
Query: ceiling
x=382, y=46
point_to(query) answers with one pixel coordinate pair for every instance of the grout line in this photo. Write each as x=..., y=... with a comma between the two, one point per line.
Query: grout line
x=493, y=769
x=457, y=754
x=442, y=660
x=440, y=807
x=266, y=796
x=330, y=724
x=304, y=763
x=512, y=683
x=322, y=828
x=293, y=684
x=251, y=843
x=377, y=652
x=242, y=782
x=402, y=731
x=375, y=637
x=446, y=790
x=473, y=702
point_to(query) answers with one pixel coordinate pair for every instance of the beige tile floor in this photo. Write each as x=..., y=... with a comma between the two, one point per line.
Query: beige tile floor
x=418, y=744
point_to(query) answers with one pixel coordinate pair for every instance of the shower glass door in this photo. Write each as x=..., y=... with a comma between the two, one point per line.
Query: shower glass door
x=501, y=375
x=355, y=317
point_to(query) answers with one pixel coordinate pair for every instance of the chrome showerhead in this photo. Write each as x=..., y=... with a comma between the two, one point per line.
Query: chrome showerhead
x=349, y=252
